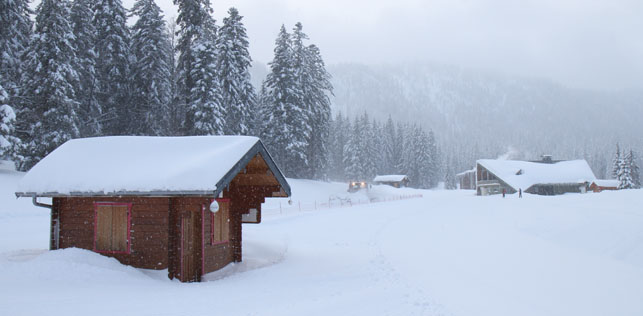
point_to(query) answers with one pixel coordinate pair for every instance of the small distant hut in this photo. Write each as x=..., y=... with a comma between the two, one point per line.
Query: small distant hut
x=394, y=180
x=467, y=179
x=173, y=203
x=602, y=185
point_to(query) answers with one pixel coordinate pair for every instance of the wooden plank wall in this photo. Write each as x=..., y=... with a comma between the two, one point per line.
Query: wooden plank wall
x=148, y=231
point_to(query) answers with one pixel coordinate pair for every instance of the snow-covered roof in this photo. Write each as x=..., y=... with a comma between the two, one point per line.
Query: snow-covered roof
x=524, y=174
x=466, y=172
x=389, y=178
x=606, y=183
x=107, y=165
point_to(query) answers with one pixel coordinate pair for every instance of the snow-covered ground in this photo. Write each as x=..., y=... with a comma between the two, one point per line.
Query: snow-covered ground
x=446, y=253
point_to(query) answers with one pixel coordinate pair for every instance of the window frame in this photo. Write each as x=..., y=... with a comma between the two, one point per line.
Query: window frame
x=129, y=226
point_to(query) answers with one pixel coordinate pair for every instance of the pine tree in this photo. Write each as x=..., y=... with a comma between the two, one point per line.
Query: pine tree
x=368, y=149
x=339, y=132
x=389, y=147
x=262, y=109
x=399, y=146
x=354, y=167
x=50, y=112
x=192, y=15
x=112, y=67
x=634, y=170
x=379, y=148
x=15, y=32
x=150, y=71
x=176, y=111
x=433, y=160
x=449, y=177
x=316, y=91
x=624, y=175
x=616, y=162
x=415, y=157
x=281, y=130
x=205, y=115
x=89, y=112
x=8, y=142
x=238, y=95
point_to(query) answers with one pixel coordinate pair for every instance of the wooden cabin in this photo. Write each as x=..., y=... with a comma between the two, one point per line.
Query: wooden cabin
x=394, y=180
x=602, y=185
x=175, y=203
x=546, y=177
x=467, y=179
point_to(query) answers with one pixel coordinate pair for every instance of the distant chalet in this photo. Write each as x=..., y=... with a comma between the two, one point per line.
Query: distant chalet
x=467, y=179
x=546, y=177
x=394, y=180
x=603, y=185
x=146, y=200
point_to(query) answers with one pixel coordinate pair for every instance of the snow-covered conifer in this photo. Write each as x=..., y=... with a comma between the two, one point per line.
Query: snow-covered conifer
x=150, y=70
x=368, y=148
x=617, y=162
x=433, y=159
x=624, y=175
x=389, y=147
x=176, y=112
x=339, y=133
x=233, y=64
x=8, y=142
x=281, y=134
x=113, y=67
x=634, y=170
x=449, y=177
x=50, y=110
x=354, y=168
x=190, y=21
x=205, y=115
x=316, y=88
x=89, y=112
x=15, y=31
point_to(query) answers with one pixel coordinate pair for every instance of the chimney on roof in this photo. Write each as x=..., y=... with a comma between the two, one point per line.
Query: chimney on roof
x=547, y=159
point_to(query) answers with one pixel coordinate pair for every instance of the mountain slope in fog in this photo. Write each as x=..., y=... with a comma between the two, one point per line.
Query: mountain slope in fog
x=477, y=114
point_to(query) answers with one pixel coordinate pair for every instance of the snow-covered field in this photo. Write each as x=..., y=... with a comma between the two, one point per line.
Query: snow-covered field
x=447, y=253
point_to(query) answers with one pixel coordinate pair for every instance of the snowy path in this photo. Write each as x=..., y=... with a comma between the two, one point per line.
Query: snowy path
x=448, y=253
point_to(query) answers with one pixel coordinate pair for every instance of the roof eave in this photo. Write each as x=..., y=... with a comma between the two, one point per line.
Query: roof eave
x=117, y=193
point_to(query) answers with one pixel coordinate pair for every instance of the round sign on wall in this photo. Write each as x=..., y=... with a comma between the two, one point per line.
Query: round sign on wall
x=214, y=206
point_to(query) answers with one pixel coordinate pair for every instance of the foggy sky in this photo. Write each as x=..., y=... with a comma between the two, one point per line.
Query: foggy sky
x=579, y=43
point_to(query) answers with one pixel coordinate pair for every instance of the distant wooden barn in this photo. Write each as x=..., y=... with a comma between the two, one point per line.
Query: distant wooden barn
x=173, y=203
x=467, y=179
x=545, y=177
x=602, y=185
x=394, y=180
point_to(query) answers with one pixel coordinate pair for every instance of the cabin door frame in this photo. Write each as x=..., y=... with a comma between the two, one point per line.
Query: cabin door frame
x=189, y=248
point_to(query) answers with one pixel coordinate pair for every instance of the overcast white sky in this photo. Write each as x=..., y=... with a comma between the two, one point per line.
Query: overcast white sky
x=593, y=44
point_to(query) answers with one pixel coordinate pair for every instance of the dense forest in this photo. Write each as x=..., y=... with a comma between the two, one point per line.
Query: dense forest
x=80, y=70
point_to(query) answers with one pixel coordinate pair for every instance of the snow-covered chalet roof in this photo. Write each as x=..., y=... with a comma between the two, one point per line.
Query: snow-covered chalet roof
x=144, y=164
x=466, y=172
x=571, y=171
x=389, y=178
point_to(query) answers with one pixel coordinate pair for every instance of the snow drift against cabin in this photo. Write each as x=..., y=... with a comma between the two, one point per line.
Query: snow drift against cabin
x=131, y=163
